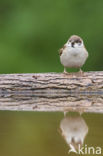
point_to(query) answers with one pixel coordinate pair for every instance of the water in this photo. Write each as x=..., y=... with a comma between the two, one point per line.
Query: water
x=39, y=133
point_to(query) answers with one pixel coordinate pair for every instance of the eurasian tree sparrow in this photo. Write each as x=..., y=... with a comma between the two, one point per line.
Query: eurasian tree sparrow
x=73, y=54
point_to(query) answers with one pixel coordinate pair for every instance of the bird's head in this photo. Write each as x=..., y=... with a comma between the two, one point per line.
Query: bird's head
x=75, y=41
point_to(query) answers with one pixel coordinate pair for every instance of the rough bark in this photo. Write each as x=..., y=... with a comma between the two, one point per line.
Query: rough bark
x=52, y=92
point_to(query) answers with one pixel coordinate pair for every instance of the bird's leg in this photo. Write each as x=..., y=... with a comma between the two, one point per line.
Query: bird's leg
x=65, y=70
x=81, y=72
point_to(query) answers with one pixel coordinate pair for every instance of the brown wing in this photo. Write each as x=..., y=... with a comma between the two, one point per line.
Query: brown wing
x=61, y=50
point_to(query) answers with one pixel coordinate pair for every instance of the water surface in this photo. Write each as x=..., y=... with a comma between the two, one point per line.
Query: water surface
x=38, y=133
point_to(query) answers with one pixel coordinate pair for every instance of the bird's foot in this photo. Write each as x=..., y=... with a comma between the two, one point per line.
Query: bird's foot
x=65, y=72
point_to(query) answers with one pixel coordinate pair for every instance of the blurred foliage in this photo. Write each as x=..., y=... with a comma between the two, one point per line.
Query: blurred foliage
x=31, y=32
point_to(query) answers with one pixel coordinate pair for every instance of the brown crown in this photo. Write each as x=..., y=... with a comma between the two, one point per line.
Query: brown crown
x=75, y=38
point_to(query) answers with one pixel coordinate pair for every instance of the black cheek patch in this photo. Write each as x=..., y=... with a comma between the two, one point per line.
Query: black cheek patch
x=72, y=44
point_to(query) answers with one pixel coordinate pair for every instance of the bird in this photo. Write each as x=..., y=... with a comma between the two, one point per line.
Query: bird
x=73, y=54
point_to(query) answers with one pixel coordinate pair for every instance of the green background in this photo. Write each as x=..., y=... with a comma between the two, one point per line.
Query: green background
x=32, y=31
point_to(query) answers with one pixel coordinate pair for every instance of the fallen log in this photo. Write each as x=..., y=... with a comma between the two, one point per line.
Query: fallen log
x=52, y=92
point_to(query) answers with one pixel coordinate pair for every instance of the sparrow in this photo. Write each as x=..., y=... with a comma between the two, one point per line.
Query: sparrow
x=73, y=54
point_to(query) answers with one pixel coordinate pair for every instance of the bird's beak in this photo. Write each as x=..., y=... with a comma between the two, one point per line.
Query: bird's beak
x=72, y=44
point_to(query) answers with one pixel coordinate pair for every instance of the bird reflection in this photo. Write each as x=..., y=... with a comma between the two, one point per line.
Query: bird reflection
x=74, y=130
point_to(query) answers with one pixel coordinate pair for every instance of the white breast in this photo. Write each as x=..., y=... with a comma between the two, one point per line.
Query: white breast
x=73, y=57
